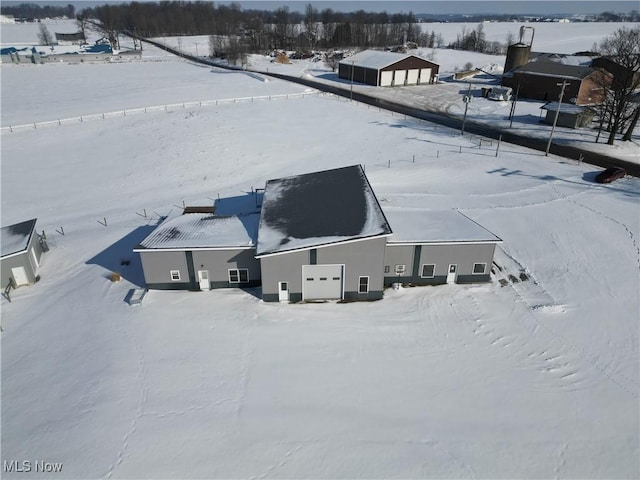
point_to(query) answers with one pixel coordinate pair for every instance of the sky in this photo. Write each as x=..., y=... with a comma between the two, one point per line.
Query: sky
x=434, y=7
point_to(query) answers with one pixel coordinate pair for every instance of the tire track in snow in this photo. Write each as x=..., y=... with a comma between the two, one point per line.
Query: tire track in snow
x=144, y=389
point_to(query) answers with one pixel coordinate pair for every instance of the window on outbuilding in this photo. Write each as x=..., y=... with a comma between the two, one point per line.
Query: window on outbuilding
x=428, y=271
x=175, y=275
x=363, y=285
x=238, y=275
x=479, y=268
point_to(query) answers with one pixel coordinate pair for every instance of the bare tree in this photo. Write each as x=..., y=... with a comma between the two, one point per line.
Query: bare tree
x=44, y=36
x=621, y=57
x=332, y=59
x=311, y=25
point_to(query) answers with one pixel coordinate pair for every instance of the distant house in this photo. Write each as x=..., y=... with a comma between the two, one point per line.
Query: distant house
x=570, y=116
x=314, y=237
x=76, y=38
x=542, y=81
x=387, y=69
x=22, y=249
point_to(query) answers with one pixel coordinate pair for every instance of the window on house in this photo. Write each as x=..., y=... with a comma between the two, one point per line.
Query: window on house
x=400, y=269
x=363, y=285
x=238, y=275
x=479, y=268
x=428, y=271
x=175, y=275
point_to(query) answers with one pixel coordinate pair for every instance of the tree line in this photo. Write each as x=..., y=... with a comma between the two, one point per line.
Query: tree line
x=258, y=29
x=35, y=11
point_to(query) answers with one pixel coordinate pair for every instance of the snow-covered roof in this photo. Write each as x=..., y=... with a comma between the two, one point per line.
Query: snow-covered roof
x=441, y=226
x=15, y=238
x=318, y=209
x=564, y=107
x=203, y=230
x=377, y=59
x=553, y=69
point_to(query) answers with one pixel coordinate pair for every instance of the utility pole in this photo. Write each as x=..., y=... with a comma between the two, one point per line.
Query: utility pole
x=513, y=107
x=466, y=99
x=555, y=119
x=351, y=93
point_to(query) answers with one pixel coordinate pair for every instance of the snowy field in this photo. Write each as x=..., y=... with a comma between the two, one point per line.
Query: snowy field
x=535, y=379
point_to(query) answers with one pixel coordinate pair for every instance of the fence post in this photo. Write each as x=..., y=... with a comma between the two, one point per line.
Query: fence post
x=498, y=147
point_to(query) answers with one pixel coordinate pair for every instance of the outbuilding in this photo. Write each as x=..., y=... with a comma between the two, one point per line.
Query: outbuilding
x=387, y=69
x=570, y=116
x=22, y=250
x=543, y=81
x=315, y=237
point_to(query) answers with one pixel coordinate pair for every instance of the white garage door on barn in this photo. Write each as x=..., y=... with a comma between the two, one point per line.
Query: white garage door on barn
x=412, y=76
x=399, y=76
x=425, y=76
x=386, y=79
x=322, y=282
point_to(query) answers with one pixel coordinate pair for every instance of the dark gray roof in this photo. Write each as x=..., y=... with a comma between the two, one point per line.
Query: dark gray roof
x=320, y=208
x=15, y=238
x=552, y=69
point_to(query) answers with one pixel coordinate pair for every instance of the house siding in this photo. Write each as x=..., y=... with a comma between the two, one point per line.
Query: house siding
x=219, y=262
x=364, y=258
x=463, y=255
x=283, y=268
x=157, y=268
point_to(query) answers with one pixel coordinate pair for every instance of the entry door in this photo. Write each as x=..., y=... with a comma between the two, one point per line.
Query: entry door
x=203, y=279
x=283, y=291
x=20, y=276
x=451, y=276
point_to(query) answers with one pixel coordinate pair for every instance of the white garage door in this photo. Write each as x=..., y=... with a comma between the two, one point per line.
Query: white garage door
x=425, y=76
x=399, y=77
x=412, y=76
x=322, y=282
x=386, y=78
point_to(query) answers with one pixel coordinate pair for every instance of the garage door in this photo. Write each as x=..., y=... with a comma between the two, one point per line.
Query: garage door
x=412, y=76
x=322, y=282
x=425, y=76
x=386, y=78
x=399, y=77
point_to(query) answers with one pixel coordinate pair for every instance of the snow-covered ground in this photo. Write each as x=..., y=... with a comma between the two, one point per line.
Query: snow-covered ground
x=534, y=379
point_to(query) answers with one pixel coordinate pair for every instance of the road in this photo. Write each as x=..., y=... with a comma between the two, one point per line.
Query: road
x=471, y=127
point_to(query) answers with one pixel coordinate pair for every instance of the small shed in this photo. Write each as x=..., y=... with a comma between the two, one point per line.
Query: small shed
x=22, y=250
x=570, y=116
x=437, y=247
x=387, y=69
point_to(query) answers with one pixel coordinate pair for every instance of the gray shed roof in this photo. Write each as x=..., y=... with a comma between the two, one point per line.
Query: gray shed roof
x=376, y=59
x=15, y=238
x=317, y=209
x=203, y=230
x=446, y=226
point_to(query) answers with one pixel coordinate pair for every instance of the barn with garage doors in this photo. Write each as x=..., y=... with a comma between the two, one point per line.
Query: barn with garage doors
x=314, y=237
x=387, y=69
x=22, y=249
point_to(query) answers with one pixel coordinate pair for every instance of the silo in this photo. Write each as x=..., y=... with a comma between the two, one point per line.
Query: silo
x=518, y=53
